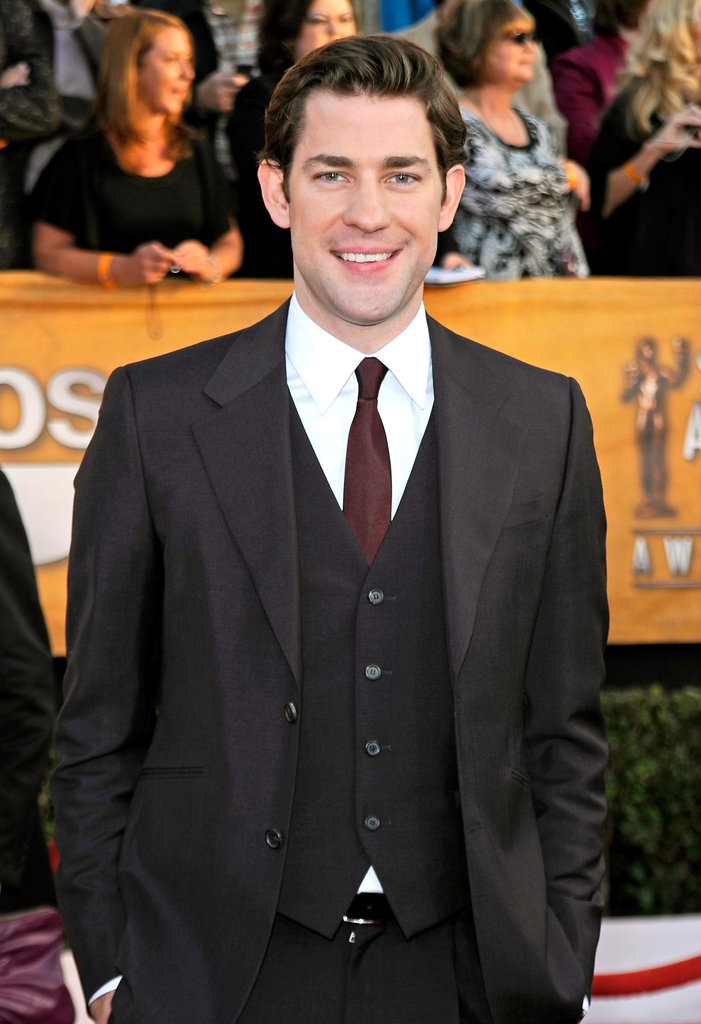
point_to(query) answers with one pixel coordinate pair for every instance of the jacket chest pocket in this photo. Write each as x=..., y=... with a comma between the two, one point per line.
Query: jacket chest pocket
x=523, y=513
x=172, y=772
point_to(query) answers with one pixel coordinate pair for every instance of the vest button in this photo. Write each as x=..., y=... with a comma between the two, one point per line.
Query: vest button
x=376, y=597
x=273, y=838
x=373, y=748
x=291, y=713
x=373, y=671
x=372, y=823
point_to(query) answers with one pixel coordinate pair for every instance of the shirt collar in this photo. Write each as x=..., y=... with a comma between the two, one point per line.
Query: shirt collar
x=325, y=364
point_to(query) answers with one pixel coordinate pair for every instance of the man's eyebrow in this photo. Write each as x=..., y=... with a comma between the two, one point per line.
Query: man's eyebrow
x=404, y=161
x=329, y=161
x=389, y=163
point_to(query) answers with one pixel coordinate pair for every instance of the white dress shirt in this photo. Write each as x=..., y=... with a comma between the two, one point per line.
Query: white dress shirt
x=322, y=382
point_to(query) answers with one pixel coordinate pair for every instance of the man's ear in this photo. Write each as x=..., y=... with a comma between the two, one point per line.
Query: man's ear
x=454, y=185
x=270, y=178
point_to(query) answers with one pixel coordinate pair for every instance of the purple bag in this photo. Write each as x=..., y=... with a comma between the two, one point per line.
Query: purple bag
x=31, y=983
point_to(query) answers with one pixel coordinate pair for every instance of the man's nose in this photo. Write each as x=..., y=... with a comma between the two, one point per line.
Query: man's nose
x=367, y=208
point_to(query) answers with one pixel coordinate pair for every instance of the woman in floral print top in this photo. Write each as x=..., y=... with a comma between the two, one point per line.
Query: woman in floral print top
x=516, y=215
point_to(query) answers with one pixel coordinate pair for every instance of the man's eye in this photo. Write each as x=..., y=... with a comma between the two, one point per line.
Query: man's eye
x=330, y=176
x=402, y=179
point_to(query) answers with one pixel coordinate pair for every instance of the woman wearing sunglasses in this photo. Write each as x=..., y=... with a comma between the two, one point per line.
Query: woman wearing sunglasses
x=516, y=216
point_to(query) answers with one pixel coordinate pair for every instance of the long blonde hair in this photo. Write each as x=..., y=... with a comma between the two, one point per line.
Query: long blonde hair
x=128, y=41
x=662, y=68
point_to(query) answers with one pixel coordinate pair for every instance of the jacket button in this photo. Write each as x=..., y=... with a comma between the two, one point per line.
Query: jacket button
x=273, y=838
x=373, y=748
x=376, y=597
x=291, y=713
x=373, y=671
x=372, y=823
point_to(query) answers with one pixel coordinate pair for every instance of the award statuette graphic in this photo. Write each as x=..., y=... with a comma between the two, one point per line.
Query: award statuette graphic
x=647, y=383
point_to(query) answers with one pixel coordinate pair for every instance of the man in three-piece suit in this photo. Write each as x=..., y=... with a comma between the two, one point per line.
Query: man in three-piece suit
x=332, y=750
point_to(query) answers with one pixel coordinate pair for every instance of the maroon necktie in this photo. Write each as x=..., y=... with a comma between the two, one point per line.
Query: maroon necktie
x=367, y=490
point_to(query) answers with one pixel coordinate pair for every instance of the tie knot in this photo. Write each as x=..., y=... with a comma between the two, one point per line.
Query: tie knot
x=370, y=374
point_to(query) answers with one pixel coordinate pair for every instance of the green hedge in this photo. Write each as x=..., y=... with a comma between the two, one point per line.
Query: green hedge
x=653, y=834
x=654, y=793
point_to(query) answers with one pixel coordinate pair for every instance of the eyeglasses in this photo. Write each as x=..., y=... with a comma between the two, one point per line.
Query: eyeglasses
x=521, y=38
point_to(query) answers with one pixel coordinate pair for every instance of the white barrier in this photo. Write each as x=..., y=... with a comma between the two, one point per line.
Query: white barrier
x=636, y=944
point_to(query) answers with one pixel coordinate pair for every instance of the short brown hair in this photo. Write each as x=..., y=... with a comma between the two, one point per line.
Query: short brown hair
x=129, y=39
x=467, y=29
x=364, y=65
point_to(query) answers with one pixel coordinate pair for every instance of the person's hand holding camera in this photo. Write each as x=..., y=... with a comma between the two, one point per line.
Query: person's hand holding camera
x=681, y=131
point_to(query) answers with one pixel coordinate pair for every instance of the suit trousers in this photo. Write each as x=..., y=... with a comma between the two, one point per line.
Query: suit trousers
x=370, y=973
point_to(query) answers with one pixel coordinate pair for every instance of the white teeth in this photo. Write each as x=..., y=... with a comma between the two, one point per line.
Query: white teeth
x=364, y=257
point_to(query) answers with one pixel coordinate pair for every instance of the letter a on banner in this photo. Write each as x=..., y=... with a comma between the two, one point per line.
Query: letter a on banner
x=641, y=557
x=692, y=438
x=678, y=551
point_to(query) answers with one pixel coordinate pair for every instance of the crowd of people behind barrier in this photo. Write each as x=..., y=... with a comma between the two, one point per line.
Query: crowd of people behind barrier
x=129, y=134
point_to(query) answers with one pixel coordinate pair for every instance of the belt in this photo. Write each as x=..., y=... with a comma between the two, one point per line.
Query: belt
x=369, y=908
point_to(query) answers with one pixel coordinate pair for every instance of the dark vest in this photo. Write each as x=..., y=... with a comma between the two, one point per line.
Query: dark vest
x=377, y=779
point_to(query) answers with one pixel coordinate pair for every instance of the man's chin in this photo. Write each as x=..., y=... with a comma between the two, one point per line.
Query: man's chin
x=367, y=303
x=370, y=313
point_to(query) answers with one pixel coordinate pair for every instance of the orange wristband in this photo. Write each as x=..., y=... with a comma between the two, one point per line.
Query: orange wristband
x=571, y=175
x=104, y=264
x=630, y=172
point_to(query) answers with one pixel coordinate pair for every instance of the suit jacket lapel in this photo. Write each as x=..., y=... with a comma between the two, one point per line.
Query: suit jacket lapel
x=479, y=448
x=245, y=446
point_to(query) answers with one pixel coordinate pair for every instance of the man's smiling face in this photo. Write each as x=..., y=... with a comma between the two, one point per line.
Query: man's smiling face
x=365, y=205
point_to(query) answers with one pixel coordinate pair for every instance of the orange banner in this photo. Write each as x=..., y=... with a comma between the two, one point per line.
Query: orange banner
x=633, y=345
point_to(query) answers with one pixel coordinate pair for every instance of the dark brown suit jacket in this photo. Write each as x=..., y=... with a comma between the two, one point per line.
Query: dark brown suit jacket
x=184, y=647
